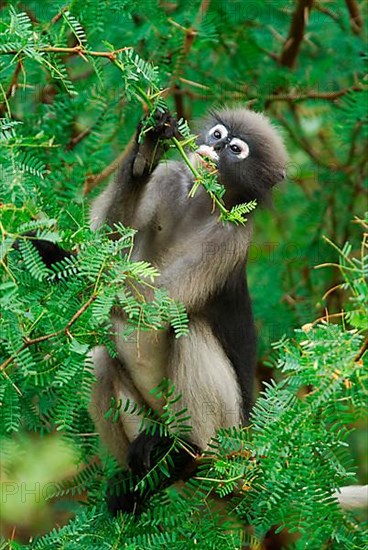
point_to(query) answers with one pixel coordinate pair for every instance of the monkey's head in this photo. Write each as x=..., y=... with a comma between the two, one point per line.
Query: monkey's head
x=248, y=151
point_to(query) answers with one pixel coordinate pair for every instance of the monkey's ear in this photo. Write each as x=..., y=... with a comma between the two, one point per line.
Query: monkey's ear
x=278, y=177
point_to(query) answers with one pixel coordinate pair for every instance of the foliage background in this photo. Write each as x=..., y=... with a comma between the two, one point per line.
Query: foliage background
x=68, y=114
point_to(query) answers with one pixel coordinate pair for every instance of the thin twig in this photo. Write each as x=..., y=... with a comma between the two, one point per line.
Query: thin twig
x=56, y=18
x=93, y=180
x=303, y=143
x=330, y=14
x=326, y=318
x=77, y=139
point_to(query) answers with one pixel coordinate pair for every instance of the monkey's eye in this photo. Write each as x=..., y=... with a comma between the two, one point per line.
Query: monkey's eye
x=239, y=148
x=218, y=132
x=235, y=149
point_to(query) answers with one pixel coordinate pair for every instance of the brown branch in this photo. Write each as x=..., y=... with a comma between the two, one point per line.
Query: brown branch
x=354, y=138
x=94, y=179
x=362, y=350
x=326, y=96
x=205, y=4
x=12, y=87
x=76, y=50
x=301, y=141
x=327, y=317
x=30, y=342
x=190, y=34
x=293, y=42
x=179, y=103
x=77, y=139
x=80, y=312
x=308, y=148
x=356, y=20
x=330, y=96
x=58, y=16
x=23, y=7
x=330, y=14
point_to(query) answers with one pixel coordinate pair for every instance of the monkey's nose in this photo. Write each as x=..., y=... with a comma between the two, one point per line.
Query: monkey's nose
x=219, y=145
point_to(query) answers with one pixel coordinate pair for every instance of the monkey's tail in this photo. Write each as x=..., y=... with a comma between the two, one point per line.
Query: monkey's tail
x=352, y=496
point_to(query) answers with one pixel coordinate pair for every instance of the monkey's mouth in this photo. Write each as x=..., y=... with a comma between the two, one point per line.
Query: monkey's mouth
x=207, y=157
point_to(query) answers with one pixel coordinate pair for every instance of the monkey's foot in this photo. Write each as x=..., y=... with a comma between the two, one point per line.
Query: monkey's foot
x=147, y=450
x=122, y=498
x=144, y=453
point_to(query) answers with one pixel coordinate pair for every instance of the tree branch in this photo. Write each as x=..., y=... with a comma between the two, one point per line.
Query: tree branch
x=190, y=34
x=30, y=342
x=301, y=141
x=292, y=45
x=362, y=350
x=94, y=179
x=76, y=50
x=356, y=20
x=330, y=96
x=12, y=87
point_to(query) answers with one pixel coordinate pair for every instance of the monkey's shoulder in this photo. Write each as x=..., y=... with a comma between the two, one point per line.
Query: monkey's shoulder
x=172, y=179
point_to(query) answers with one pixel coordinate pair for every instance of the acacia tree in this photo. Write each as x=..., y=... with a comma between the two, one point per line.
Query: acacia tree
x=75, y=79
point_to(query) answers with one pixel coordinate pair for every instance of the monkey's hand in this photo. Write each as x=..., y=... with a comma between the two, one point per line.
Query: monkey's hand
x=160, y=125
x=151, y=133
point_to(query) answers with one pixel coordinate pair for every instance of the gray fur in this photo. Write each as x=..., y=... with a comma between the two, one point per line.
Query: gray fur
x=204, y=377
x=195, y=255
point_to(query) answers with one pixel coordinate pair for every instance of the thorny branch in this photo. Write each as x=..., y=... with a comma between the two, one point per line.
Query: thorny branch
x=330, y=96
x=362, y=350
x=189, y=36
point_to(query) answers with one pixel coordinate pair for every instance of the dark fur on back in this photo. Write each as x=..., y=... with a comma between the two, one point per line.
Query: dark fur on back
x=230, y=316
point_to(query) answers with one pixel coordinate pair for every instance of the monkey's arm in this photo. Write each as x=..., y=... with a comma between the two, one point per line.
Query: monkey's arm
x=120, y=199
x=200, y=269
x=144, y=156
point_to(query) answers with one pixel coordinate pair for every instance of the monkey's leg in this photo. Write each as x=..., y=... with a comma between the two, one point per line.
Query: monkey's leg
x=203, y=375
x=114, y=383
x=137, y=451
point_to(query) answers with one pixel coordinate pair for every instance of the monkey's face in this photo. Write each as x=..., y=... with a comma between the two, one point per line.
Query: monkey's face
x=221, y=144
x=247, y=150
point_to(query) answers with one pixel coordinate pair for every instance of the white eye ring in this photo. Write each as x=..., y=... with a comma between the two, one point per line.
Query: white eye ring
x=222, y=132
x=242, y=145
